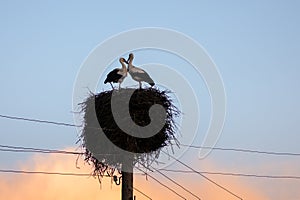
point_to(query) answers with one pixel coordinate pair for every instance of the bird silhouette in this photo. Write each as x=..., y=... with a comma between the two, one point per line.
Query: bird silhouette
x=117, y=75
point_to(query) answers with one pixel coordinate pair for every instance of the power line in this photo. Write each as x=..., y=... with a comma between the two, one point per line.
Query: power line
x=179, y=185
x=21, y=149
x=24, y=151
x=210, y=180
x=234, y=174
x=58, y=173
x=43, y=172
x=214, y=148
x=18, y=149
x=178, y=171
x=142, y=193
x=192, y=146
x=35, y=150
x=175, y=182
x=161, y=183
x=243, y=150
x=39, y=121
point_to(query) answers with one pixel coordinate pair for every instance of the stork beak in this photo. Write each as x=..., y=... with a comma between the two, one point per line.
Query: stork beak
x=126, y=61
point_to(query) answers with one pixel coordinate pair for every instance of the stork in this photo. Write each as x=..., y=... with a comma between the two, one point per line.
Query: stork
x=117, y=75
x=138, y=74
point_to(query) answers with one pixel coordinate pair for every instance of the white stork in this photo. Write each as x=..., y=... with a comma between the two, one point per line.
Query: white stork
x=138, y=74
x=117, y=75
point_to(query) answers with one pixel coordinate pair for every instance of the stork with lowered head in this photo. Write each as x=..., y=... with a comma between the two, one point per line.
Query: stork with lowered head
x=138, y=74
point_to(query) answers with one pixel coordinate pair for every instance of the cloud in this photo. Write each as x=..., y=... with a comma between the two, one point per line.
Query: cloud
x=50, y=187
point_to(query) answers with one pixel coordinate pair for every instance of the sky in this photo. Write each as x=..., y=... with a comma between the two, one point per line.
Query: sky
x=254, y=44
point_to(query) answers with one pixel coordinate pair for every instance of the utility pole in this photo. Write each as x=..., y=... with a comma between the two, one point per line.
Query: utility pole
x=127, y=186
x=127, y=179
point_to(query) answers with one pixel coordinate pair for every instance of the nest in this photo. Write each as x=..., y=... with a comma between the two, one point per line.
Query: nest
x=107, y=145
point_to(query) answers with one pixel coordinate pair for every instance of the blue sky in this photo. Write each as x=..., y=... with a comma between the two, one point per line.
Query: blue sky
x=255, y=45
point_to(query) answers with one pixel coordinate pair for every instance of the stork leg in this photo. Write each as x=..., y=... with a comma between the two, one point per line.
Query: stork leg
x=140, y=83
x=119, y=86
x=111, y=85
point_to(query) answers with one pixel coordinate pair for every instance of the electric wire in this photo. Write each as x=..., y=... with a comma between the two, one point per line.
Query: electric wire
x=35, y=150
x=39, y=121
x=235, y=174
x=61, y=174
x=43, y=172
x=24, y=149
x=210, y=180
x=185, y=145
x=21, y=149
x=243, y=150
x=173, y=181
x=161, y=183
x=141, y=193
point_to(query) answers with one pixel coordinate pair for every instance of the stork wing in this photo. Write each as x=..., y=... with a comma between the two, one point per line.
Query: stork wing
x=144, y=76
x=113, y=76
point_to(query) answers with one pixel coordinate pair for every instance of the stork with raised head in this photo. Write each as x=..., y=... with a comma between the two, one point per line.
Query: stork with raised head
x=117, y=75
x=138, y=74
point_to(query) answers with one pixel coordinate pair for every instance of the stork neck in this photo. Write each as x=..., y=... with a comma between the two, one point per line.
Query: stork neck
x=123, y=66
x=130, y=64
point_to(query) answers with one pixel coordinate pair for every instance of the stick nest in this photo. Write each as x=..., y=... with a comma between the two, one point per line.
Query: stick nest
x=106, y=145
